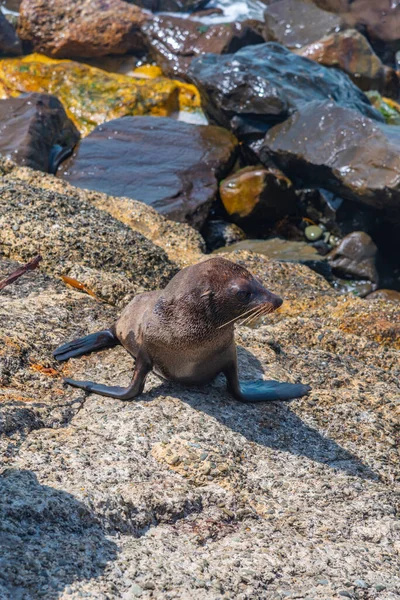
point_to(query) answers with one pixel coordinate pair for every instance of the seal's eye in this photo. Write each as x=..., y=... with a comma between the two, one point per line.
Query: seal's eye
x=243, y=295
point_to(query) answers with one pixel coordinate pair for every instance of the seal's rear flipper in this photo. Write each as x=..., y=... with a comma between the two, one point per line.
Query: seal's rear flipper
x=90, y=343
x=264, y=391
x=143, y=367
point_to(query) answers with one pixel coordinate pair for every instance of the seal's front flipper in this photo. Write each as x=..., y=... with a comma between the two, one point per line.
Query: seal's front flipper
x=264, y=391
x=261, y=391
x=89, y=343
x=142, y=368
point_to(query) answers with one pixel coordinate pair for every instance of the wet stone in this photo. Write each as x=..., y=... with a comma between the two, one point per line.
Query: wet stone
x=68, y=29
x=358, y=160
x=313, y=233
x=170, y=165
x=218, y=233
x=257, y=196
x=351, y=52
x=261, y=85
x=170, y=5
x=355, y=257
x=9, y=41
x=35, y=131
x=295, y=23
x=173, y=41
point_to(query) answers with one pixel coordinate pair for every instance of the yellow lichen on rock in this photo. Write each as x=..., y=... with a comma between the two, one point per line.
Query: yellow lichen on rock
x=92, y=96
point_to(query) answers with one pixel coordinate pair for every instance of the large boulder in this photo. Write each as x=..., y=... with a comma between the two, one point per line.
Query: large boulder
x=90, y=95
x=261, y=85
x=295, y=23
x=173, y=41
x=185, y=492
x=170, y=165
x=10, y=44
x=68, y=29
x=341, y=150
x=78, y=240
x=351, y=52
x=35, y=131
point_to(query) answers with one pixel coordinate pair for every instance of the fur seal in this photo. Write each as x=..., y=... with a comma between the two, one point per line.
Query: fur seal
x=185, y=333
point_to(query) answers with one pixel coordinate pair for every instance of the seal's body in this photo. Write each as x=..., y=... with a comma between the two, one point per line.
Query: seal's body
x=185, y=332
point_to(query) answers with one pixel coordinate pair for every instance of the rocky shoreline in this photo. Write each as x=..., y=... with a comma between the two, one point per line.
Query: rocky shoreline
x=136, y=153
x=186, y=493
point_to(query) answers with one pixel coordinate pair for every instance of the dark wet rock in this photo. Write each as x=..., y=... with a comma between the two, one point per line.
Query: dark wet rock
x=388, y=295
x=295, y=23
x=258, y=196
x=218, y=233
x=351, y=52
x=337, y=6
x=355, y=257
x=10, y=44
x=170, y=5
x=261, y=85
x=326, y=145
x=380, y=19
x=173, y=41
x=69, y=29
x=170, y=165
x=35, y=131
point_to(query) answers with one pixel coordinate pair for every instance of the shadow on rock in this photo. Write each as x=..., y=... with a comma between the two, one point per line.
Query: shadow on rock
x=272, y=424
x=48, y=539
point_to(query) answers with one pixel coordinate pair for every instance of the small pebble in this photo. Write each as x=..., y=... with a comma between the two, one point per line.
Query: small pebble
x=361, y=583
x=313, y=233
x=345, y=593
x=379, y=587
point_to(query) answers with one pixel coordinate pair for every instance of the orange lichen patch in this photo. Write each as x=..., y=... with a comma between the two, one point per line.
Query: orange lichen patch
x=7, y=341
x=44, y=370
x=380, y=330
x=79, y=286
x=92, y=96
x=392, y=103
x=147, y=72
x=378, y=321
x=15, y=397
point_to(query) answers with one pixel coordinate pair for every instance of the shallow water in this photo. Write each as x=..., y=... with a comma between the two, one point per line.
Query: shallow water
x=233, y=11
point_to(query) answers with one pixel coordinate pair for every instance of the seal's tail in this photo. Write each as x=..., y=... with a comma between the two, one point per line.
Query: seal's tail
x=90, y=343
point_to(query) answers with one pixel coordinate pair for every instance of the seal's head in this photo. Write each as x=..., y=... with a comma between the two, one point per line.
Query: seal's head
x=223, y=291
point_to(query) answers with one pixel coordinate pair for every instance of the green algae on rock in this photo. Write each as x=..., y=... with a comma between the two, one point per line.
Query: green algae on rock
x=91, y=96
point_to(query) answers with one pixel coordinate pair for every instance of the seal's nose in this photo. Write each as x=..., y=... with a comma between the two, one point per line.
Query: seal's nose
x=278, y=302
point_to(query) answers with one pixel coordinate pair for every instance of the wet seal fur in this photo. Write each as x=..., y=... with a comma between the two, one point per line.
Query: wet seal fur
x=185, y=333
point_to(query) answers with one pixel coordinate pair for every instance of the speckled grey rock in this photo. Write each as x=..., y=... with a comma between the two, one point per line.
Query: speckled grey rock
x=186, y=493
